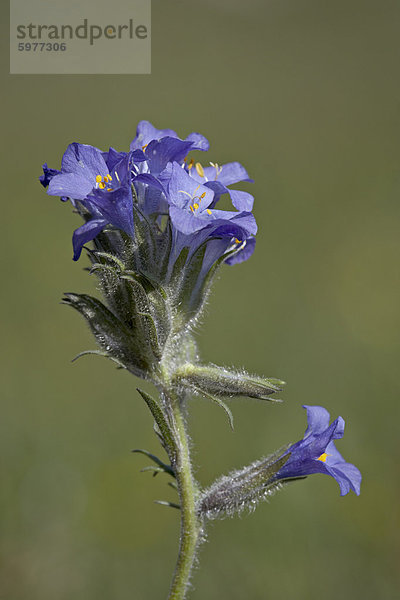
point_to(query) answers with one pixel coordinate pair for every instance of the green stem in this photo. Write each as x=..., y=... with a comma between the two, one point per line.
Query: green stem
x=190, y=523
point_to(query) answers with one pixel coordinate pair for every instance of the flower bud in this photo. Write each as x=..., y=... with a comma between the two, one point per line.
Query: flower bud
x=242, y=489
x=222, y=382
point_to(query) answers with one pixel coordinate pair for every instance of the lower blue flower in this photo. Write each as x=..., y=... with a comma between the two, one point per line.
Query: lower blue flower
x=316, y=453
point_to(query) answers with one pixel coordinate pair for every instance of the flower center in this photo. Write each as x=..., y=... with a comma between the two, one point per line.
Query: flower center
x=193, y=207
x=102, y=182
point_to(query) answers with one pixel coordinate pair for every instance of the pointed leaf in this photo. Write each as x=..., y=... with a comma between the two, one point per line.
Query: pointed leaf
x=218, y=401
x=167, y=468
x=166, y=503
x=161, y=421
x=98, y=353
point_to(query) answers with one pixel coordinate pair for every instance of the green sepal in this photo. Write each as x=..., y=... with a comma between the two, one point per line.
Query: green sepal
x=110, y=257
x=111, y=334
x=292, y=479
x=102, y=268
x=201, y=292
x=150, y=308
x=188, y=280
x=150, y=328
x=112, y=242
x=115, y=290
x=144, y=238
x=232, y=493
x=177, y=269
x=139, y=294
x=165, y=252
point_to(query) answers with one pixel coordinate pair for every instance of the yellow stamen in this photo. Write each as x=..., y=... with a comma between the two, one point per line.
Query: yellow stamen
x=202, y=196
x=190, y=165
x=323, y=457
x=102, y=186
x=209, y=211
x=191, y=208
x=144, y=147
x=109, y=189
x=237, y=241
x=199, y=169
x=98, y=178
x=195, y=205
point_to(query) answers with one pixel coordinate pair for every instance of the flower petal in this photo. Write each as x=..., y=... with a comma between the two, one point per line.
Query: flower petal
x=48, y=175
x=112, y=158
x=149, y=179
x=146, y=132
x=84, y=160
x=233, y=173
x=86, y=233
x=115, y=207
x=347, y=476
x=198, y=141
x=243, y=254
x=168, y=149
x=243, y=201
x=186, y=222
x=71, y=185
x=317, y=418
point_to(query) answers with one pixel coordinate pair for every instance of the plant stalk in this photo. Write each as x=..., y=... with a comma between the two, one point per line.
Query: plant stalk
x=190, y=523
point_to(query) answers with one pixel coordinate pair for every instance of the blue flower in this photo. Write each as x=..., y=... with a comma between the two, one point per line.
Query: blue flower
x=190, y=203
x=101, y=183
x=146, y=133
x=153, y=151
x=218, y=177
x=316, y=453
x=162, y=146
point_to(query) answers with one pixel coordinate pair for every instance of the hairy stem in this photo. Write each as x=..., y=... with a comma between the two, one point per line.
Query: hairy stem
x=190, y=523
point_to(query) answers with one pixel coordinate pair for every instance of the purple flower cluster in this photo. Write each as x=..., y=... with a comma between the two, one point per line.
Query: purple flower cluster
x=158, y=178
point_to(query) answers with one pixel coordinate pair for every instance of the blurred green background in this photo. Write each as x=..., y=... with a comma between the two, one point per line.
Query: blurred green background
x=306, y=94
